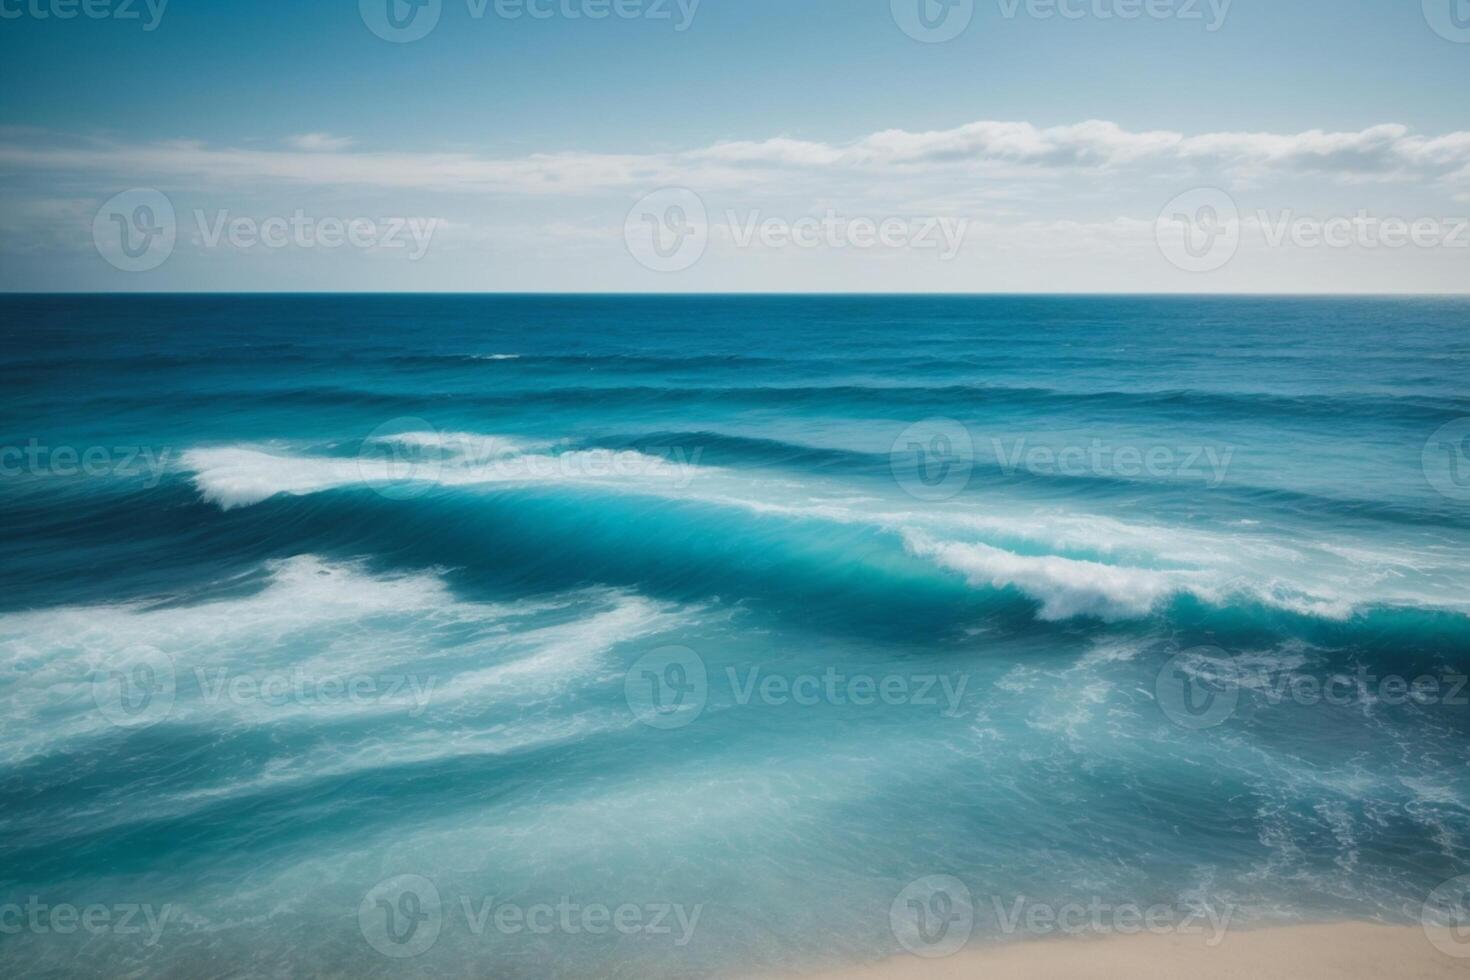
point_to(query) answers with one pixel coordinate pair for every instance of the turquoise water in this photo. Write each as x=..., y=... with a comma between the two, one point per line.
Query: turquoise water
x=739, y=613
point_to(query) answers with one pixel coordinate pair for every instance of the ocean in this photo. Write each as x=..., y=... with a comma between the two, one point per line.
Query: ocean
x=622, y=636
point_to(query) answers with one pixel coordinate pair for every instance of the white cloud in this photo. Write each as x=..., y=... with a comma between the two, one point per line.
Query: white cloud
x=1071, y=207
x=1001, y=151
x=1090, y=144
x=320, y=142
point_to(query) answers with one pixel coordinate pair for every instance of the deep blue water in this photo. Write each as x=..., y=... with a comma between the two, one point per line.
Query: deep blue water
x=527, y=528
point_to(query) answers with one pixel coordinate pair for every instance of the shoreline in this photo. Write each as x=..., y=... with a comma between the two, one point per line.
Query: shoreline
x=1347, y=950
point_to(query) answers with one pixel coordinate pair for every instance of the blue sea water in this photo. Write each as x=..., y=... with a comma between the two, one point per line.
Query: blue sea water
x=327, y=623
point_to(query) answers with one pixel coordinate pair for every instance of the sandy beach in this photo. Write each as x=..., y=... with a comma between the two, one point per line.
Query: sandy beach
x=1345, y=951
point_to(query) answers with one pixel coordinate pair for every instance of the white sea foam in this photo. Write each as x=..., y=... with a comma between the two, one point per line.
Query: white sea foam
x=239, y=476
x=474, y=445
x=371, y=754
x=300, y=592
x=1210, y=566
x=1214, y=568
x=554, y=651
x=1065, y=587
x=1092, y=564
x=415, y=645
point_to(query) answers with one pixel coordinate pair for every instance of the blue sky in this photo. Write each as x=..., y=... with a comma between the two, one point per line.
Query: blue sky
x=528, y=141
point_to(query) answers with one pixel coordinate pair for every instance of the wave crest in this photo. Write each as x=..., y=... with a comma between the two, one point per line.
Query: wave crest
x=239, y=476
